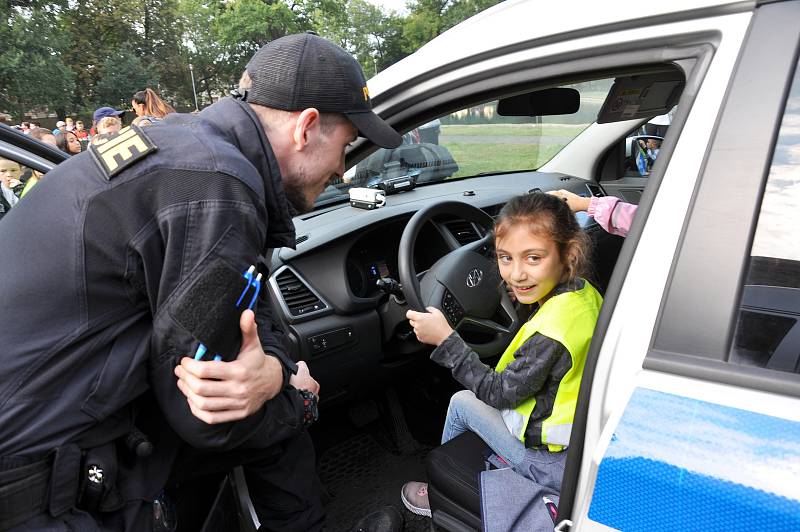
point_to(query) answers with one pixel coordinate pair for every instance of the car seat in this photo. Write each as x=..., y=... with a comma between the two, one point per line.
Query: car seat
x=454, y=483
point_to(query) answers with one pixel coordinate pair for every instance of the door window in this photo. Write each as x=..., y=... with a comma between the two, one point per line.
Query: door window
x=768, y=327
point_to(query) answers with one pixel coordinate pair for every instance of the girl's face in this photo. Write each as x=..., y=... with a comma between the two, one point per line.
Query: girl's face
x=529, y=264
x=73, y=144
x=138, y=107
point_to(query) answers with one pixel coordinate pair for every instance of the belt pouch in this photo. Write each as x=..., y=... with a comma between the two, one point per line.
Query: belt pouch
x=65, y=479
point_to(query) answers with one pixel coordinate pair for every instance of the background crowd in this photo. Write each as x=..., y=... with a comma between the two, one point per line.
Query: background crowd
x=72, y=137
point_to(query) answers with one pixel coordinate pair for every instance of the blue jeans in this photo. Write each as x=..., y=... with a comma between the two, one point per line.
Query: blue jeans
x=467, y=412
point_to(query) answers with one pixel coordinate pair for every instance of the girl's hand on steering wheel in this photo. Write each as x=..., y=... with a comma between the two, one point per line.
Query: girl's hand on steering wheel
x=430, y=327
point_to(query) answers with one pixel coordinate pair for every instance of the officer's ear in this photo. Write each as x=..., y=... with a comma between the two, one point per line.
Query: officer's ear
x=307, y=125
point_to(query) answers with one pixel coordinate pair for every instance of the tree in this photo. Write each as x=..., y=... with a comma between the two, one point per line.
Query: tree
x=430, y=18
x=96, y=30
x=373, y=36
x=32, y=73
x=123, y=74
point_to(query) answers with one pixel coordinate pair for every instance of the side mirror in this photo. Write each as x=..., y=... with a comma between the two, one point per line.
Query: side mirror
x=554, y=101
x=638, y=158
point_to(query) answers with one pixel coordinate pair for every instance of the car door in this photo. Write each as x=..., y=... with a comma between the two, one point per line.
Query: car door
x=693, y=415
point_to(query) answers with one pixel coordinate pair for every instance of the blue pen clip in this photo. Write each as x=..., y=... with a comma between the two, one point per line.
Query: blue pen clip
x=248, y=275
x=257, y=285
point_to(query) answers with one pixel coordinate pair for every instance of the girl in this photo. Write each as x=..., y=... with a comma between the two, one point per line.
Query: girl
x=523, y=408
x=147, y=104
x=68, y=143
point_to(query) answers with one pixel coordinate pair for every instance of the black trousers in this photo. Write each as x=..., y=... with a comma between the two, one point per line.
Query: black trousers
x=282, y=482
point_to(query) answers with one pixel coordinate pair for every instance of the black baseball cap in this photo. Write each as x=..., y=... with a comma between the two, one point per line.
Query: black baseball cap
x=300, y=71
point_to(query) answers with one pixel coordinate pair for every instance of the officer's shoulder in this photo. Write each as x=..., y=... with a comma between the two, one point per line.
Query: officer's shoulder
x=114, y=153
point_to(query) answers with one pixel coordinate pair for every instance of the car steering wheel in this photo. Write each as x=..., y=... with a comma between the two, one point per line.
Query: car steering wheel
x=465, y=284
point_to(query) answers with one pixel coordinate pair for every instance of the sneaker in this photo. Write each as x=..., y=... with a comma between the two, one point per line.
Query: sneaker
x=415, y=497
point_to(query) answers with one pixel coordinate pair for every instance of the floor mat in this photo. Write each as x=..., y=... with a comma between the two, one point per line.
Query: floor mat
x=361, y=475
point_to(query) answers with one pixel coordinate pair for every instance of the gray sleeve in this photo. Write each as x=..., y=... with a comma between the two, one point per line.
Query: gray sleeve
x=521, y=379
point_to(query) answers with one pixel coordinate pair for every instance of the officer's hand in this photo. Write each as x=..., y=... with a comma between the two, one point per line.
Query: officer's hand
x=303, y=379
x=219, y=392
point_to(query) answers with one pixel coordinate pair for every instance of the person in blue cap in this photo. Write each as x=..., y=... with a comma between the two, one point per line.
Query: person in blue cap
x=100, y=114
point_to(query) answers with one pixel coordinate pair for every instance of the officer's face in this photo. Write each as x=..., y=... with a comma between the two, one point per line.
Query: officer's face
x=321, y=162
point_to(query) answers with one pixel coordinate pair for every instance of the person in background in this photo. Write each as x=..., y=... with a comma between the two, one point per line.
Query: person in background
x=61, y=126
x=25, y=127
x=148, y=106
x=70, y=123
x=68, y=143
x=108, y=125
x=80, y=130
x=612, y=214
x=10, y=185
x=43, y=135
x=101, y=113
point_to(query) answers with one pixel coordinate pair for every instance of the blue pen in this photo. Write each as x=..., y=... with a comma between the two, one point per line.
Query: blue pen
x=257, y=284
x=249, y=276
x=201, y=350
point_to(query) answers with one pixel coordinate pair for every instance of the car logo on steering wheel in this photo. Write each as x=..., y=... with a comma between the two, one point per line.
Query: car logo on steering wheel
x=474, y=278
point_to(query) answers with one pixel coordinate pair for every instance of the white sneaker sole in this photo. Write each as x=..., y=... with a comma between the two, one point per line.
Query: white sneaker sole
x=414, y=509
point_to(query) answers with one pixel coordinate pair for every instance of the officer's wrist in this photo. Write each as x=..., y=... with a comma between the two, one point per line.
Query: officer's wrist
x=310, y=407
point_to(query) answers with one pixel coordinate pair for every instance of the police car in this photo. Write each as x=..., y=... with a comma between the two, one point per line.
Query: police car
x=689, y=411
x=688, y=416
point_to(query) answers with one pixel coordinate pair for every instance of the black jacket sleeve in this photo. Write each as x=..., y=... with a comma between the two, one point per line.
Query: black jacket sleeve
x=191, y=248
x=522, y=378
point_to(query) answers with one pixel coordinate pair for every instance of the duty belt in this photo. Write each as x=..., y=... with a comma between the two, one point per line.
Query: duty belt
x=48, y=486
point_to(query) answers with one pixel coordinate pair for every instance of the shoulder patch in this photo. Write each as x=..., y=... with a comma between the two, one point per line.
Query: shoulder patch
x=120, y=151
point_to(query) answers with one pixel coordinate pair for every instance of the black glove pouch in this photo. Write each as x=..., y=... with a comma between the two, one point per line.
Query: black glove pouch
x=207, y=309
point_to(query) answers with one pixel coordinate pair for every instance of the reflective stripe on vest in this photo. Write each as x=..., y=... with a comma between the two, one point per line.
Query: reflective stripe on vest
x=568, y=318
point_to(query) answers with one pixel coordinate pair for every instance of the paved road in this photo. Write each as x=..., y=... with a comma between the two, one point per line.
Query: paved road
x=502, y=139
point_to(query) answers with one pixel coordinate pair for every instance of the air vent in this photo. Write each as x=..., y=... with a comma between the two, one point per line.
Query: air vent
x=299, y=298
x=300, y=239
x=463, y=231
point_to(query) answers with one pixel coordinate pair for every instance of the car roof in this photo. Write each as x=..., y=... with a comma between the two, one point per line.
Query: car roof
x=517, y=21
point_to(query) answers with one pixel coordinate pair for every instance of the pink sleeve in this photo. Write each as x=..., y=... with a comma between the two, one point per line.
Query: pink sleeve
x=613, y=215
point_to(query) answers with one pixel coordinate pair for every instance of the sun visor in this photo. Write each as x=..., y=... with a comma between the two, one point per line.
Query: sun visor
x=641, y=96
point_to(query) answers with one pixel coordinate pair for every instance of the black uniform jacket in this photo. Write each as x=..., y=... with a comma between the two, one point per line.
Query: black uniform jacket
x=94, y=270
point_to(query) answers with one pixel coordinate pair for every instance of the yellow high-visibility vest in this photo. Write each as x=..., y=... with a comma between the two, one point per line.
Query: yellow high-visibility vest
x=568, y=318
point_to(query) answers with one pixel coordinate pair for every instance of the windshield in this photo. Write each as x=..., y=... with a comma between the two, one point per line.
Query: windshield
x=474, y=141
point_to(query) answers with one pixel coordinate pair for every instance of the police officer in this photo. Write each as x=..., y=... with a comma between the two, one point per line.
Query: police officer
x=117, y=267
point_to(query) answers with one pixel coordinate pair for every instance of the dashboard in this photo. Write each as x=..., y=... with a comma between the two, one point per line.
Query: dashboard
x=335, y=316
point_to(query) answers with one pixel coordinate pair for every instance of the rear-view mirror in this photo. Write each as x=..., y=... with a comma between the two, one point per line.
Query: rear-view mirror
x=554, y=101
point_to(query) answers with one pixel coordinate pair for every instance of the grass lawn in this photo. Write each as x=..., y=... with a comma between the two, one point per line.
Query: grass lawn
x=544, y=130
x=474, y=158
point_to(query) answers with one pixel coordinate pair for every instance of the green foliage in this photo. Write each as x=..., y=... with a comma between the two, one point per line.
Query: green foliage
x=31, y=71
x=371, y=35
x=71, y=56
x=430, y=18
x=122, y=75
